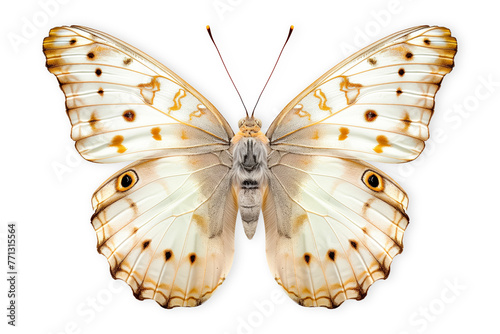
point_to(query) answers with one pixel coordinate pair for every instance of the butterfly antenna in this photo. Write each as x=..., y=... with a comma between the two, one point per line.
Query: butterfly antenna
x=283, y=48
x=211, y=37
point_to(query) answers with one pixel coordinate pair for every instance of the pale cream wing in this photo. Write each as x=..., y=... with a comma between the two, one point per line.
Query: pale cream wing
x=124, y=105
x=333, y=226
x=166, y=226
x=375, y=105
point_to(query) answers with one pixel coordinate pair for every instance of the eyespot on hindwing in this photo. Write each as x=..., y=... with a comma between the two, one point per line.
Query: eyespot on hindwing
x=373, y=180
x=126, y=181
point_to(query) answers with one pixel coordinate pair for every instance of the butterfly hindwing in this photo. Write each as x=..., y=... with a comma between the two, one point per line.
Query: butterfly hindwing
x=376, y=105
x=166, y=226
x=124, y=105
x=330, y=233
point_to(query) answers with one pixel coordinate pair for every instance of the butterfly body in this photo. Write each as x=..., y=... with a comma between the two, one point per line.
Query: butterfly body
x=333, y=222
x=250, y=171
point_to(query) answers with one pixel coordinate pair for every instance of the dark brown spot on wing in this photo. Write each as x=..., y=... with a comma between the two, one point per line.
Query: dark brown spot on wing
x=401, y=72
x=98, y=72
x=73, y=41
x=100, y=92
x=367, y=205
x=145, y=244
x=192, y=258
x=93, y=121
x=399, y=91
x=372, y=61
x=370, y=115
x=90, y=55
x=427, y=41
x=129, y=115
x=406, y=121
x=331, y=255
x=354, y=244
x=168, y=254
x=307, y=257
x=409, y=55
x=127, y=61
x=134, y=207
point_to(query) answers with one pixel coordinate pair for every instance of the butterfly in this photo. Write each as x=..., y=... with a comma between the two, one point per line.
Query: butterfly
x=333, y=222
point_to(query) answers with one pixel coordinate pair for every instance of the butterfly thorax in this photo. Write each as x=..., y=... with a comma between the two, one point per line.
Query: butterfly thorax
x=250, y=149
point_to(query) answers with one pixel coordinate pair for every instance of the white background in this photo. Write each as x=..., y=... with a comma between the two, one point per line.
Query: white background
x=446, y=278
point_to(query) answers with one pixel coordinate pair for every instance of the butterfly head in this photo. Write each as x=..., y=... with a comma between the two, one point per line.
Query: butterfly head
x=249, y=125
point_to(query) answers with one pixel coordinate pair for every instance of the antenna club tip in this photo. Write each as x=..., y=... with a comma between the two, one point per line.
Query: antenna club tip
x=208, y=27
x=291, y=27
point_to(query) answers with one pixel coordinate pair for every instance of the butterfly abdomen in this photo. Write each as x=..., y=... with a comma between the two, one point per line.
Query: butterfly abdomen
x=249, y=178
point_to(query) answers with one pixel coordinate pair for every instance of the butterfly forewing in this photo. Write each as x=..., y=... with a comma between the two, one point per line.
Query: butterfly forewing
x=124, y=105
x=376, y=105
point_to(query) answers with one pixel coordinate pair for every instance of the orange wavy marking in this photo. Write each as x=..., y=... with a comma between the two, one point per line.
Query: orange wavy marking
x=117, y=142
x=301, y=113
x=197, y=113
x=351, y=90
x=177, y=101
x=148, y=90
x=382, y=142
x=322, y=100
